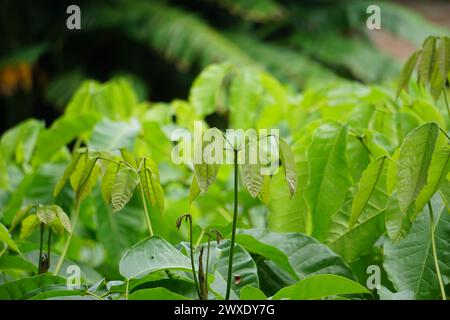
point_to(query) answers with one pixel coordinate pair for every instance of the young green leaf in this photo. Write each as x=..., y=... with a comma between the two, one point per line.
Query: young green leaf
x=414, y=161
x=251, y=173
x=264, y=193
x=124, y=185
x=29, y=224
x=108, y=180
x=439, y=167
x=320, y=286
x=369, y=186
x=88, y=178
x=152, y=188
x=205, y=174
x=194, y=190
x=426, y=63
x=288, y=162
x=444, y=56
x=69, y=170
x=407, y=71
x=329, y=175
x=5, y=237
x=251, y=293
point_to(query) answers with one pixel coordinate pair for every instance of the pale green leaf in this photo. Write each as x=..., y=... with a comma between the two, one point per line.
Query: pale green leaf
x=123, y=188
x=288, y=162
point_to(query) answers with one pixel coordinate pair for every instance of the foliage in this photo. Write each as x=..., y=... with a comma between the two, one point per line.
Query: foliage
x=363, y=181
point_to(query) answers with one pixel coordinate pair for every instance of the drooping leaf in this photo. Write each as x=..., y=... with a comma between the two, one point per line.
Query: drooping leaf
x=123, y=188
x=108, y=179
x=407, y=71
x=369, y=186
x=413, y=163
x=88, y=178
x=329, y=177
x=205, y=174
x=443, y=58
x=67, y=173
x=264, y=193
x=151, y=185
x=427, y=58
x=320, y=286
x=251, y=173
x=194, y=190
x=288, y=162
x=439, y=168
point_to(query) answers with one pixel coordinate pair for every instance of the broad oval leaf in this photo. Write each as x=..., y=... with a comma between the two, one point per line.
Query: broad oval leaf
x=150, y=255
x=319, y=287
x=159, y=293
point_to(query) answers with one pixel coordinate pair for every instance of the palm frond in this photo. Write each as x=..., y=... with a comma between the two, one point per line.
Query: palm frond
x=179, y=36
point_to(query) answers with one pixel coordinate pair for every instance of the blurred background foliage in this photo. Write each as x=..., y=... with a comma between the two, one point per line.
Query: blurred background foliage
x=161, y=45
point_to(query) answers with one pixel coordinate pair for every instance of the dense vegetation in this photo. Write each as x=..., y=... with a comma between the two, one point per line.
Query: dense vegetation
x=363, y=184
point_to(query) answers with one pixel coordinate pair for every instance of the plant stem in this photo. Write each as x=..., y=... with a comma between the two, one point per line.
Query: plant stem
x=192, y=258
x=49, y=241
x=233, y=231
x=147, y=217
x=69, y=238
x=200, y=238
x=433, y=245
x=126, y=289
x=41, y=244
x=207, y=261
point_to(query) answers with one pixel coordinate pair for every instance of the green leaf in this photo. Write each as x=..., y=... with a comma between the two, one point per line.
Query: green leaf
x=253, y=245
x=205, y=174
x=368, y=187
x=439, y=167
x=407, y=71
x=320, y=286
x=68, y=172
x=5, y=237
x=151, y=185
x=264, y=193
x=123, y=188
x=251, y=293
x=109, y=135
x=352, y=243
x=288, y=161
x=409, y=263
x=29, y=224
x=156, y=294
x=251, y=173
x=19, y=289
x=427, y=58
x=108, y=179
x=150, y=255
x=205, y=91
x=444, y=56
x=88, y=178
x=306, y=255
x=62, y=131
x=194, y=190
x=244, y=267
x=329, y=177
x=413, y=163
